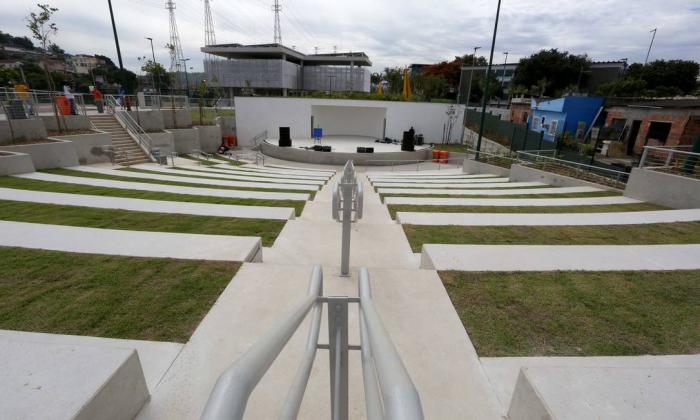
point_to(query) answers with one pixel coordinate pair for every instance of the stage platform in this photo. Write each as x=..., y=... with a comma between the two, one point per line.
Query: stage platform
x=344, y=148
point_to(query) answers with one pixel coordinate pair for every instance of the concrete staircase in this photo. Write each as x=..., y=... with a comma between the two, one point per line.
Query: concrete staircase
x=127, y=151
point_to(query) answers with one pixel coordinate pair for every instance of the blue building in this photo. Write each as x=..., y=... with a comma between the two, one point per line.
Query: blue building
x=572, y=114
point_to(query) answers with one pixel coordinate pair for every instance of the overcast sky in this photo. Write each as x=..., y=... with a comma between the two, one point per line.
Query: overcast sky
x=391, y=32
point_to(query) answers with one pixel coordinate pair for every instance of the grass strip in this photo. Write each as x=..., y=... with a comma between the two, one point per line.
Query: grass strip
x=201, y=175
x=209, y=162
x=567, y=195
x=646, y=234
x=60, y=187
x=107, y=296
x=262, y=176
x=82, y=174
x=393, y=208
x=55, y=214
x=573, y=313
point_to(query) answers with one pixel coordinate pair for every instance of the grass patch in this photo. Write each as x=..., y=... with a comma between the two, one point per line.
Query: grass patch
x=456, y=148
x=82, y=174
x=60, y=187
x=196, y=159
x=54, y=214
x=569, y=195
x=654, y=233
x=209, y=115
x=578, y=313
x=107, y=296
x=262, y=175
x=393, y=208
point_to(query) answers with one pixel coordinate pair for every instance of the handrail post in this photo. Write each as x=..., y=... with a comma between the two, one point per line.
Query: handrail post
x=644, y=157
x=338, y=355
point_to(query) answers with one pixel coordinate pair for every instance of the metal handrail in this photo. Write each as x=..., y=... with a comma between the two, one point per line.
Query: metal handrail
x=258, y=139
x=676, y=161
x=230, y=396
x=130, y=125
x=569, y=163
x=400, y=399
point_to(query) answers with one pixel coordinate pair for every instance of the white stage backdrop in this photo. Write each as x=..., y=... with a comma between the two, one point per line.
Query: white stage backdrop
x=255, y=115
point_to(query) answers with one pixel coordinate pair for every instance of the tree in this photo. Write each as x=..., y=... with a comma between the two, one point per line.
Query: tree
x=394, y=77
x=56, y=50
x=159, y=74
x=559, y=68
x=43, y=30
x=664, y=75
x=430, y=87
x=108, y=61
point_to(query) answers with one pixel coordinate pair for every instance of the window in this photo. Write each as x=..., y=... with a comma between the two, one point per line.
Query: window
x=553, y=127
x=659, y=131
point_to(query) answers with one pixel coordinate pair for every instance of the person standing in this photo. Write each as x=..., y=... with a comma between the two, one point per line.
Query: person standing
x=98, y=99
x=71, y=98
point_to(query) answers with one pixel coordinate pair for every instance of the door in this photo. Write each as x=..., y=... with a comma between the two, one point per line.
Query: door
x=632, y=139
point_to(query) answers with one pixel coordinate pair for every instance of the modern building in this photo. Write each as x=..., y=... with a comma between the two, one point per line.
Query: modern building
x=571, y=114
x=669, y=122
x=275, y=69
x=599, y=73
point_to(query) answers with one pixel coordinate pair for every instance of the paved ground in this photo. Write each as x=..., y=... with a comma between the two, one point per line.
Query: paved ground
x=129, y=243
x=234, y=171
x=548, y=219
x=511, y=202
x=151, y=206
x=194, y=180
x=501, y=189
x=560, y=257
x=143, y=186
x=420, y=176
x=436, y=182
x=254, y=178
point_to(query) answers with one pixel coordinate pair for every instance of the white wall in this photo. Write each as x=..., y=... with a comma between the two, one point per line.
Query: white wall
x=256, y=114
x=349, y=120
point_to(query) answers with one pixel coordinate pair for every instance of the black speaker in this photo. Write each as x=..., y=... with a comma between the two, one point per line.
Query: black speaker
x=361, y=150
x=407, y=142
x=369, y=149
x=326, y=149
x=285, y=140
x=318, y=148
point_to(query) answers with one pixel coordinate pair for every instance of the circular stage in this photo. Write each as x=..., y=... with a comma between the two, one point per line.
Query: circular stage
x=344, y=148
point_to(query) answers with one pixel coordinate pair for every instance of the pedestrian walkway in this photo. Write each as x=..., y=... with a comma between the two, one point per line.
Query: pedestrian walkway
x=172, y=189
x=499, y=183
x=201, y=175
x=419, y=176
x=511, y=202
x=150, y=206
x=388, y=182
x=508, y=189
x=300, y=168
x=560, y=257
x=194, y=180
x=130, y=243
x=269, y=170
x=548, y=219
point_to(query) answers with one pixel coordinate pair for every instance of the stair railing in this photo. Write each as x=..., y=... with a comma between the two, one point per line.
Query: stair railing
x=389, y=392
x=131, y=126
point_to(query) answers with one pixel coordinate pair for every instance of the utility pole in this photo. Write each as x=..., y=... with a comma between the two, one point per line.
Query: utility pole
x=277, y=8
x=155, y=65
x=116, y=38
x=650, y=45
x=488, y=81
x=503, y=78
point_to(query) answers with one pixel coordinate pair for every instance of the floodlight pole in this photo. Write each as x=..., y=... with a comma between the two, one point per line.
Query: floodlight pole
x=650, y=45
x=488, y=81
x=116, y=38
x=155, y=67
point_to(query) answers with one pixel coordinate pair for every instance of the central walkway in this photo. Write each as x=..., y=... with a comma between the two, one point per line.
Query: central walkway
x=413, y=305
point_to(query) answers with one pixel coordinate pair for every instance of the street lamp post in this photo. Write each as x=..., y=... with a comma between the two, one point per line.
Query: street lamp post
x=155, y=67
x=116, y=38
x=503, y=78
x=650, y=45
x=187, y=80
x=471, y=76
x=488, y=81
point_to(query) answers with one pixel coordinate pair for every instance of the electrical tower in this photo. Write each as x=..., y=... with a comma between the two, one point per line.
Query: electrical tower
x=277, y=8
x=174, y=46
x=209, y=36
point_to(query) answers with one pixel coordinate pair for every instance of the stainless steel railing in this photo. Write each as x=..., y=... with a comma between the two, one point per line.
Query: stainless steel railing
x=614, y=178
x=130, y=125
x=389, y=392
x=677, y=160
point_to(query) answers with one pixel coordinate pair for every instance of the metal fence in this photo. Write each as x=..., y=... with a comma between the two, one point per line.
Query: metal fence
x=514, y=136
x=389, y=392
x=677, y=160
x=597, y=174
x=33, y=103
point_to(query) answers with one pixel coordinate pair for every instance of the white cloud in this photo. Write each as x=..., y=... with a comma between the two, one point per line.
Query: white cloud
x=392, y=32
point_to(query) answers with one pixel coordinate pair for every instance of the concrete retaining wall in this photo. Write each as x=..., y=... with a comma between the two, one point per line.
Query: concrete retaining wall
x=487, y=145
x=322, y=158
x=32, y=128
x=56, y=154
x=164, y=141
x=15, y=163
x=665, y=189
x=90, y=147
x=520, y=173
x=151, y=120
x=68, y=122
x=209, y=137
x=179, y=118
x=475, y=167
x=185, y=139
x=227, y=124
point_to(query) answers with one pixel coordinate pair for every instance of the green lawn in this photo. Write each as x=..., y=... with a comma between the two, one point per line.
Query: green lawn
x=36, y=185
x=571, y=195
x=215, y=160
x=107, y=296
x=578, y=313
x=53, y=214
x=393, y=208
x=457, y=148
x=72, y=172
x=655, y=233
